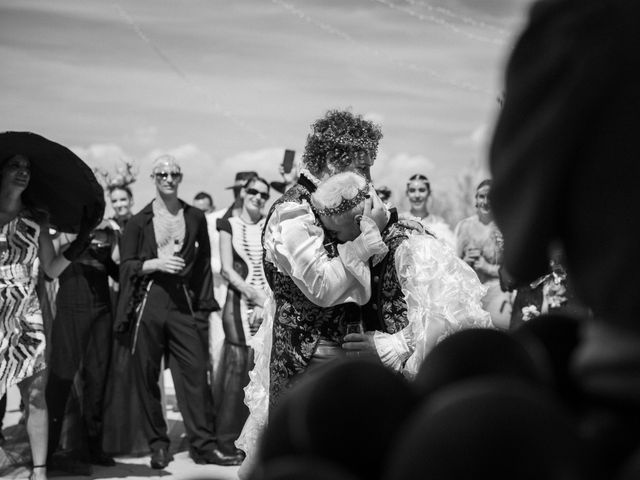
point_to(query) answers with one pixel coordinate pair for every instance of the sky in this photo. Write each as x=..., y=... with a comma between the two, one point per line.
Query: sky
x=228, y=85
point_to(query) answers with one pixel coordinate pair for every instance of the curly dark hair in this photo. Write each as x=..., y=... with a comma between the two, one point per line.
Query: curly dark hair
x=337, y=138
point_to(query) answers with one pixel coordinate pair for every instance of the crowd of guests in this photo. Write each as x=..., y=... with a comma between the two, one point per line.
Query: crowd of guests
x=212, y=294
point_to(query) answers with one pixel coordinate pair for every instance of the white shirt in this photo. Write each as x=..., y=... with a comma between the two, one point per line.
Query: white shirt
x=295, y=245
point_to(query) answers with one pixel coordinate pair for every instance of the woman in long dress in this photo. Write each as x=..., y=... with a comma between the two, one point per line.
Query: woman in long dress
x=241, y=258
x=418, y=193
x=25, y=241
x=123, y=429
x=479, y=243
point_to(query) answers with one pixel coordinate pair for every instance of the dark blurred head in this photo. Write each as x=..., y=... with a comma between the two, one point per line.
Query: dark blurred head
x=203, y=201
x=348, y=414
x=498, y=428
x=479, y=353
x=555, y=336
x=303, y=467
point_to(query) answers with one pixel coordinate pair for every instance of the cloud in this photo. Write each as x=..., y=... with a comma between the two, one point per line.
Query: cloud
x=478, y=137
x=108, y=156
x=144, y=137
x=375, y=117
x=264, y=161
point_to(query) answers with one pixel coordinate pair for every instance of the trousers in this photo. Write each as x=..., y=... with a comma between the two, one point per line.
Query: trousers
x=167, y=327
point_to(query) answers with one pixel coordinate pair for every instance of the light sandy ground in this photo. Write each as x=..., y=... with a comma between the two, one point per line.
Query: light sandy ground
x=15, y=453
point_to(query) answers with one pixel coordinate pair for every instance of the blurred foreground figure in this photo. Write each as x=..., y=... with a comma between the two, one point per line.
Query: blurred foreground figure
x=564, y=159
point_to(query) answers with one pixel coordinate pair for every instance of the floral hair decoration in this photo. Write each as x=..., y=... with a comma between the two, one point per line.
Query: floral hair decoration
x=346, y=204
x=125, y=175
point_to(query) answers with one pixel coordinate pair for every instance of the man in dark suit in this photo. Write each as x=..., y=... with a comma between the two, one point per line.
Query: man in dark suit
x=166, y=298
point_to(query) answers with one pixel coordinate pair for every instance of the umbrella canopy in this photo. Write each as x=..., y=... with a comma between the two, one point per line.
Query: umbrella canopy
x=61, y=183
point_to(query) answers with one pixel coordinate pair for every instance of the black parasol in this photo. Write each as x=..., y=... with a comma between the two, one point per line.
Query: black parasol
x=61, y=183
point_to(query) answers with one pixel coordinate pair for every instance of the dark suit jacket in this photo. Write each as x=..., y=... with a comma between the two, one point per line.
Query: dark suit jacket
x=139, y=244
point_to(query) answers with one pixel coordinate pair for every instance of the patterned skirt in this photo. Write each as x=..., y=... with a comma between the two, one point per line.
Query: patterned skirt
x=22, y=335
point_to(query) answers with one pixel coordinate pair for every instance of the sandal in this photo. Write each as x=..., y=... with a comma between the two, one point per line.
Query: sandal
x=32, y=477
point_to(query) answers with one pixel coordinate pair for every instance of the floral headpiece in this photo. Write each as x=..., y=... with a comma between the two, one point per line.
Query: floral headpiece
x=125, y=175
x=346, y=204
x=340, y=135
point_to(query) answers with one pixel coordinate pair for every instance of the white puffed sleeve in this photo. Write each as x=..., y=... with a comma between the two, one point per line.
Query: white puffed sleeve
x=443, y=296
x=295, y=244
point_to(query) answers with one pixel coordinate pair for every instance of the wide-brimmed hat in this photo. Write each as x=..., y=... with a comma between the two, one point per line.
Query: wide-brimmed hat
x=241, y=179
x=61, y=183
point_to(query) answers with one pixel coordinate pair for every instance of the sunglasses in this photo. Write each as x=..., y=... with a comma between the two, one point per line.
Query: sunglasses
x=253, y=191
x=166, y=175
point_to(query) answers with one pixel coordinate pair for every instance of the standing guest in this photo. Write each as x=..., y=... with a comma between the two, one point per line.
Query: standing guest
x=123, y=431
x=418, y=193
x=240, y=180
x=121, y=199
x=241, y=256
x=119, y=191
x=204, y=202
x=214, y=333
x=216, y=330
x=166, y=292
x=479, y=243
x=421, y=291
x=314, y=291
x=81, y=343
x=24, y=241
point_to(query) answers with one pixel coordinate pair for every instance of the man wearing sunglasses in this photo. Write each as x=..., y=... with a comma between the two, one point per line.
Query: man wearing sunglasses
x=166, y=298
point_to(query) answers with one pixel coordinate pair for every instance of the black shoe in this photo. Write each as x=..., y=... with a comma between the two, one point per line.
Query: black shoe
x=160, y=458
x=216, y=457
x=69, y=464
x=101, y=458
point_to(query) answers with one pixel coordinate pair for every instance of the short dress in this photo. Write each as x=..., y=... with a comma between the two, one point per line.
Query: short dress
x=22, y=335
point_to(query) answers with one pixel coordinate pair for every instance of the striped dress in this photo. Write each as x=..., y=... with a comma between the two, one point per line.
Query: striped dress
x=22, y=336
x=247, y=262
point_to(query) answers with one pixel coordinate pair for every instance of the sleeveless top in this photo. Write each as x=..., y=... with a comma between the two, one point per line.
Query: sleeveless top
x=247, y=262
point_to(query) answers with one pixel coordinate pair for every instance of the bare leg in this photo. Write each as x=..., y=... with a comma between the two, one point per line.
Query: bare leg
x=32, y=392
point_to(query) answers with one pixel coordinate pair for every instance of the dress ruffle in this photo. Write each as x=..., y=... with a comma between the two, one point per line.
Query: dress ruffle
x=443, y=295
x=256, y=393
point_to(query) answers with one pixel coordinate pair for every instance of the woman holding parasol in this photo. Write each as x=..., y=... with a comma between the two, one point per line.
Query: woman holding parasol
x=30, y=169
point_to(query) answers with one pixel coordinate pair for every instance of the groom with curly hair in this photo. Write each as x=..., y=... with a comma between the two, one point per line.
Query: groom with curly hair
x=314, y=291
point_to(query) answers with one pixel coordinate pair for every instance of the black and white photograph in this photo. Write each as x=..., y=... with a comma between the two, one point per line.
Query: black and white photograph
x=319, y=239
